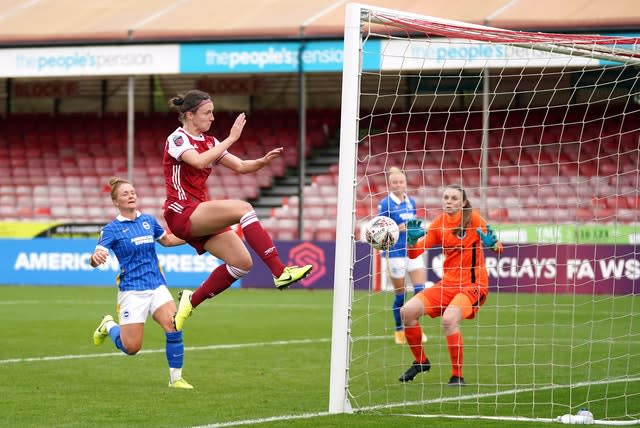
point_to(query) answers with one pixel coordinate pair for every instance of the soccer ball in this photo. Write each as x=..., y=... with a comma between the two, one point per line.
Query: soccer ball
x=382, y=233
x=587, y=414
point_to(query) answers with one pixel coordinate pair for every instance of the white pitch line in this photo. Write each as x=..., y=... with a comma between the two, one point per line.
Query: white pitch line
x=264, y=420
x=156, y=351
x=318, y=414
x=273, y=343
x=432, y=401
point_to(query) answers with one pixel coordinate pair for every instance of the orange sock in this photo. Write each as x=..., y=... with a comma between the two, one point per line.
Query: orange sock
x=456, y=352
x=414, y=339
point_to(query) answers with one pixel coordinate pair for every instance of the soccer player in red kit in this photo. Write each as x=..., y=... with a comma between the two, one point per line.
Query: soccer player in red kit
x=462, y=233
x=189, y=157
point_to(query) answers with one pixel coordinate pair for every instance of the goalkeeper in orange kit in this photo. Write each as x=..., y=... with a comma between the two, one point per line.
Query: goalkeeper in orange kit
x=463, y=234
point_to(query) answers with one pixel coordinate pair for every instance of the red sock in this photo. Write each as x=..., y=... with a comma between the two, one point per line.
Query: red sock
x=218, y=281
x=414, y=339
x=261, y=242
x=456, y=352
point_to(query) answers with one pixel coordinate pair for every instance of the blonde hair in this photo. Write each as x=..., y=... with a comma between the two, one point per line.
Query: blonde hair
x=114, y=184
x=395, y=170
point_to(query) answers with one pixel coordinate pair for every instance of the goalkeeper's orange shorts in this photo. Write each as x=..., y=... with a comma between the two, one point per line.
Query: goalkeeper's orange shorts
x=468, y=297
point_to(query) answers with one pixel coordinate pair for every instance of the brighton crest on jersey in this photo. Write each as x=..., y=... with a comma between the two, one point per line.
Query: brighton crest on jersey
x=133, y=242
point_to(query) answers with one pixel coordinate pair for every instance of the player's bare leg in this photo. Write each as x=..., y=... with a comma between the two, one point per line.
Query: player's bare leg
x=211, y=216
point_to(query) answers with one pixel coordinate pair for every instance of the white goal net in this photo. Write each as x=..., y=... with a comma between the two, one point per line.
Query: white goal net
x=543, y=133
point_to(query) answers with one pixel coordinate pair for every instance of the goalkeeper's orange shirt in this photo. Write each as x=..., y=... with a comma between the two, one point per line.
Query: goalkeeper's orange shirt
x=463, y=256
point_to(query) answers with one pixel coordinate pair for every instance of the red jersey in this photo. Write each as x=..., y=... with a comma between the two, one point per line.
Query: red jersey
x=181, y=180
x=463, y=255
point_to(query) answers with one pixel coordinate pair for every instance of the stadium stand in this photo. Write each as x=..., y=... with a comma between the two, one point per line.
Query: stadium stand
x=62, y=173
x=69, y=157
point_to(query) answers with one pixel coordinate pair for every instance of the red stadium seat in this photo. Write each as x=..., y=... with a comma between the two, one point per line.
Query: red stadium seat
x=287, y=233
x=584, y=214
x=325, y=230
x=604, y=215
x=80, y=147
x=628, y=215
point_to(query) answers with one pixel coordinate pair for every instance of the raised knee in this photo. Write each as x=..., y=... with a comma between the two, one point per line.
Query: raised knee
x=245, y=264
x=245, y=207
x=407, y=314
x=133, y=348
x=449, y=323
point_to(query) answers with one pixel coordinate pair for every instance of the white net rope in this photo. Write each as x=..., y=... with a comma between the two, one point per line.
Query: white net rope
x=553, y=165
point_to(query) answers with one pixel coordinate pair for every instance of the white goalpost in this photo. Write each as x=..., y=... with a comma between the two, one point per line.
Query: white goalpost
x=543, y=132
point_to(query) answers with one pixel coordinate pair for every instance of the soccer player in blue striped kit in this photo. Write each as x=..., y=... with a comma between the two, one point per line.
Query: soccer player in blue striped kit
x=401, y=208
x=142, y=289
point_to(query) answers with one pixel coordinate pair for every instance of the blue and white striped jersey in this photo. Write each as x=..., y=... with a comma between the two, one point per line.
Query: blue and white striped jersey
x=400, y=211
x=134, y=244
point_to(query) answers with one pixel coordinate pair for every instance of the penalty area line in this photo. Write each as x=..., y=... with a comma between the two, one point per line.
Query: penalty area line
x=264, y=420
x=156, y=351
x=433, y=401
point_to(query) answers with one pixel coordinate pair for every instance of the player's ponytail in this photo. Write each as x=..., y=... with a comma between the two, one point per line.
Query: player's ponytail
x=466, y=209
x=114, y=184
x=394, y=170
x=189, y=102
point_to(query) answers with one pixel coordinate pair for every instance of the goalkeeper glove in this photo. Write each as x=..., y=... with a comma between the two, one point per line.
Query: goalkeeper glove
x=489, y=239
x=414, y=231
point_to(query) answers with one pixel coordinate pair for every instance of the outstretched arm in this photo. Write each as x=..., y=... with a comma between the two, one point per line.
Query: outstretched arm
x=417, y=241
x=246, y=166
x=415, y=231
x=205, y=159
x=490, y=240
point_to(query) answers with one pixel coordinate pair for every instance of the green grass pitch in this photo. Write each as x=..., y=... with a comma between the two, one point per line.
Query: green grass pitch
x=262, y=357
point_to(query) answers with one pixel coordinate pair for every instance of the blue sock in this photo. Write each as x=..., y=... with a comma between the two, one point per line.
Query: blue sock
x=417, y=288
x=175, y=349
x=397, y=304
x=114, y=333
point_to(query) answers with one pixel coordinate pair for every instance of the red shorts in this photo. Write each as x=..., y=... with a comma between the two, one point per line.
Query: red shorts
x=437, y=298
x=177, y=214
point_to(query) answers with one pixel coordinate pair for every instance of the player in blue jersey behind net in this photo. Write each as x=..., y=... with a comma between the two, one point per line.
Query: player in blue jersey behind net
x=401, y=208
